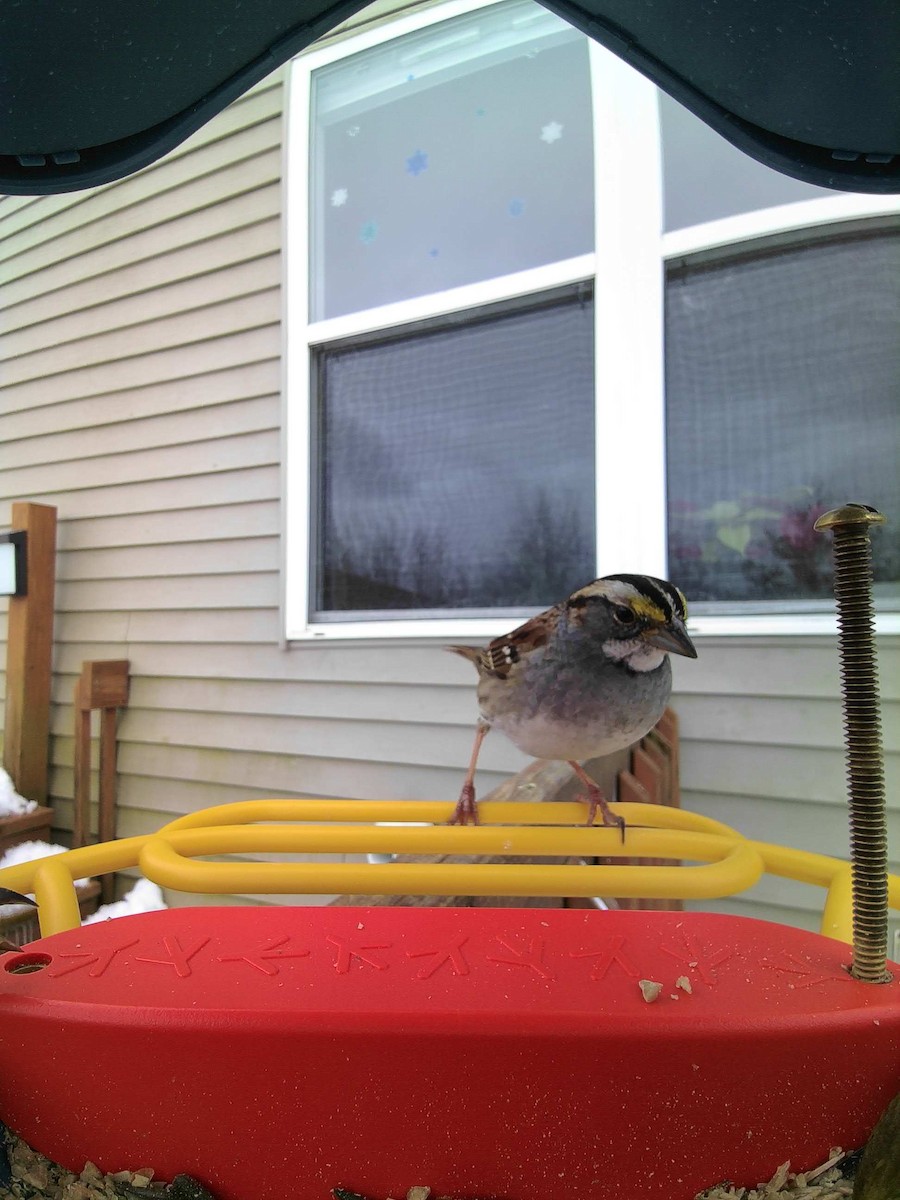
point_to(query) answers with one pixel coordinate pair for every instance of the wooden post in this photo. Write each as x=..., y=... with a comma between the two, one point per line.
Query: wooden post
x=103, y=686
x=82, y=771
x=29, y=650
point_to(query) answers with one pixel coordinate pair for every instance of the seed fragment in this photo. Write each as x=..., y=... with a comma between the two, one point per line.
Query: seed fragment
x=650, y=989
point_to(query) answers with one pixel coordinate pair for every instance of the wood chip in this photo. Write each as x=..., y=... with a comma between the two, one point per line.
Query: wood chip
x=826, y=1182
x=650, y=989
x=779, y=1179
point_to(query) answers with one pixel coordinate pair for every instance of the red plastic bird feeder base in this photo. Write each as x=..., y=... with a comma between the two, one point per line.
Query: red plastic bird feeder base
x=504, y=1053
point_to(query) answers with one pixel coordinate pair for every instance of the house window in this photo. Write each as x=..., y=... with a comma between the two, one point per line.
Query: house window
x=782, y=384
x=493, y=228
x=440, y=480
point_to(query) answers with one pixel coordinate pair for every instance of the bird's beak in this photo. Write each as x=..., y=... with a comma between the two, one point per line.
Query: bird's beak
x=672, y=637
x=8, y=897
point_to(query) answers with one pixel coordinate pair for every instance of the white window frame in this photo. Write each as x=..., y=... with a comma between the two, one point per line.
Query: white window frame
x=627, y=270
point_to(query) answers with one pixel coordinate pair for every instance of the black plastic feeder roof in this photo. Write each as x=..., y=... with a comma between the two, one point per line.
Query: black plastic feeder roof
x=93, y=90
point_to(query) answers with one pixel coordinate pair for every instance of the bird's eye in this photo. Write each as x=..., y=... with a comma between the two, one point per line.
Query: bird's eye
x=623, y=615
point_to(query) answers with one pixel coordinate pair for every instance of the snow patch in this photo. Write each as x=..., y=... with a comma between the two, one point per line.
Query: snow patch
x=143, y=897
x=11, y=803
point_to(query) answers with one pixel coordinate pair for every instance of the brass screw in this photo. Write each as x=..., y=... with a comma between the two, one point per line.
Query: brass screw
x=852, y=553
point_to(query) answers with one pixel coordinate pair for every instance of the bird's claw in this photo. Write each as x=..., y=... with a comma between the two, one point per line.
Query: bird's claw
x=466, y=811
x=595, y=800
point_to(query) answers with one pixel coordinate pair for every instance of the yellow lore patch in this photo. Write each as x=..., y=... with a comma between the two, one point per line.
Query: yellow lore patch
x=641, y=606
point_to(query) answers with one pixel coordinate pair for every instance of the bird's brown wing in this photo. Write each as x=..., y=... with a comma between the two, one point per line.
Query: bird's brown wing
x=499, y=657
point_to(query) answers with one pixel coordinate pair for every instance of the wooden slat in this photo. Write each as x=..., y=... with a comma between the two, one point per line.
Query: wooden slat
x=29, y=651
x=81, y=765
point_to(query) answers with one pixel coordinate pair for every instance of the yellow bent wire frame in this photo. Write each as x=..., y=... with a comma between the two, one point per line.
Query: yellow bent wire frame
x=731, y=863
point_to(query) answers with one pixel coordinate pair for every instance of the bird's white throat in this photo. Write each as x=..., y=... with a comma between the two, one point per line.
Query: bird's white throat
x=636, y=653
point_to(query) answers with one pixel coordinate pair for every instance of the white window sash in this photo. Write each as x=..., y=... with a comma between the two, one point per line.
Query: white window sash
x=628, y=273
x=627, y=269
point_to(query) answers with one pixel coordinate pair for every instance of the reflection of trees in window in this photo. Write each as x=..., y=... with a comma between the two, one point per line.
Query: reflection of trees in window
x=386, y=562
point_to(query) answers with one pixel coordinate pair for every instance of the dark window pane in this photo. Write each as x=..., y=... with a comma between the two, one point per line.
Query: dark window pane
x=452, y=155
x=782, y=385
x=457, y=466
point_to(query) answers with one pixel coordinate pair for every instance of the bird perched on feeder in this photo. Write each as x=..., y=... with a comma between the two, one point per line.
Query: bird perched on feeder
x=586, y=678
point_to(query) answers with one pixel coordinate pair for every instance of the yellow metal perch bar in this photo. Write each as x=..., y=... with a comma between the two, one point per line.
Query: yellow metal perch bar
x=729, y=862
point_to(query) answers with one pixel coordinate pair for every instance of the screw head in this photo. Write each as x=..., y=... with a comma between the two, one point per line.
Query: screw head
x=850, y=514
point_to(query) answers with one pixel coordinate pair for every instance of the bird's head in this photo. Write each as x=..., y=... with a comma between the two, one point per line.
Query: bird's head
x=636, y=619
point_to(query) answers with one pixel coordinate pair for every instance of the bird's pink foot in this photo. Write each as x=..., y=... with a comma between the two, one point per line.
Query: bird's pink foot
x=594, y=800
x=466, y=811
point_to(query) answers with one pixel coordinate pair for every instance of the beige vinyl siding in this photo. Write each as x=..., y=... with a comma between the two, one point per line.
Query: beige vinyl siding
x=762, y=751
x=141, y=359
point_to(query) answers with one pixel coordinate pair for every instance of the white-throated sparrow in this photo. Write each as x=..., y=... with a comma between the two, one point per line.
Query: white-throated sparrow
x=586, y=678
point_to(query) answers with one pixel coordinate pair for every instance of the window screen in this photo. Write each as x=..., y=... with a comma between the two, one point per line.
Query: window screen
x=456, y=466
x=782, y=386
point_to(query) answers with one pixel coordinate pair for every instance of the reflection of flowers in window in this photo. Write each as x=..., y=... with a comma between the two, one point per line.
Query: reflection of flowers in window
x=752, y=548
x=368, y=233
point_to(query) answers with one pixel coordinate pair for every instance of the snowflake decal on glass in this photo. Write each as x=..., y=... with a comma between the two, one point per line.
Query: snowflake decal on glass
x=551, y=132
x=516, y=207
x=353, y=131
x=368, y=233
x=417, y=163
x=339, y=197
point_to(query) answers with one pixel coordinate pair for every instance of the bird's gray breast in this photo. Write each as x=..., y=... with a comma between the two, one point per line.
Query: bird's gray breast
x=581, y=708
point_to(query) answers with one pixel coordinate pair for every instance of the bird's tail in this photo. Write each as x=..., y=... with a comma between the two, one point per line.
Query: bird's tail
x=470, y=652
